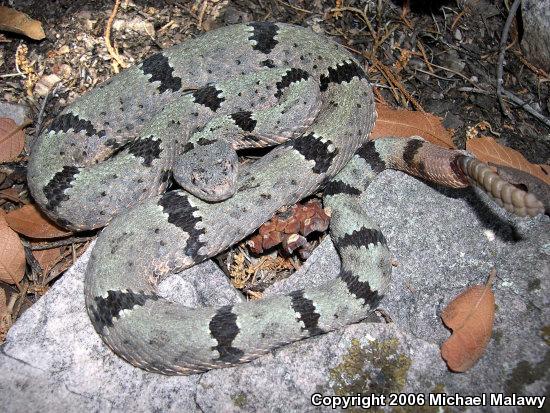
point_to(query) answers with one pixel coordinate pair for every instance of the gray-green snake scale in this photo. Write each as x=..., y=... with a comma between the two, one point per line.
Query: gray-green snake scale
x=108, y=159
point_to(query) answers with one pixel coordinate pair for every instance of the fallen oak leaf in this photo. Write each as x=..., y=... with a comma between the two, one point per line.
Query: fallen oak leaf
x=12, y=254
x=486, y=149
x=31, y=222
x=15, y=21
x=47, y=258
x=12, y=139
x=11, y=194
x=406, y=123
x=470, y=316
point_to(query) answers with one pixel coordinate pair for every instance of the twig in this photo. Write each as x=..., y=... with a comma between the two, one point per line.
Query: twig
x=58, y=269
x=536, y=70
x=33, y=263
x=112, y=51
x=61, y=243
x=362, y=14
x=200, y=17
x=40, y=117
x=512, y=97
x=466, y=78
x=294, y=7
x=18, y=303
x=500, y=64
x=392, y=78
x=524, y=105
x=473, y=90
x=447, y=79
x=12, y=75
x=424, y=56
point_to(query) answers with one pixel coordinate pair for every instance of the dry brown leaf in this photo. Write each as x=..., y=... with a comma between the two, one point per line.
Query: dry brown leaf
x=470, y=316
x=31, y=222
x=47, y=258
x=405, y=123
x=486, y=149
x=15, y=21
x=12, y=140
x=11, y=194
x=12, y=254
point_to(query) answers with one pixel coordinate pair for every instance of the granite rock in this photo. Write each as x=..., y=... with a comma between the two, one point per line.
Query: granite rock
x=536, y=32
x=442, y=240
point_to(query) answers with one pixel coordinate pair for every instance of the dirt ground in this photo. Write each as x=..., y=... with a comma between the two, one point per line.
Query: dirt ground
x=440, y=57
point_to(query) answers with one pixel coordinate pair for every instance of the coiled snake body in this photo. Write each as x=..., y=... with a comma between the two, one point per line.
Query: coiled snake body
x=111, y=154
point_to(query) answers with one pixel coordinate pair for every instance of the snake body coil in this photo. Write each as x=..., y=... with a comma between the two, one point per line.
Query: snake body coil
x=111, y=154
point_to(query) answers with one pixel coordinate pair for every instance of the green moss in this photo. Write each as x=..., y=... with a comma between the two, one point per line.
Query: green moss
x=439, y=388
x=376, y=369
x=545, y=334
x=239, y=399
x=533, y=284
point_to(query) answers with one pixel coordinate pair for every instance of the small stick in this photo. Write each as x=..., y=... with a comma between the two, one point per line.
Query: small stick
x=524, y=105
x=112, y=51
x=500, y=64
x=60, y=243
x=40, y=117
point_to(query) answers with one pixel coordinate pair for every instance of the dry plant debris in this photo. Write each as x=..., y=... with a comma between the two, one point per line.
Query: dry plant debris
x=290, y=228
x=278, y=247
x=251, y=275
x=470, y=316
x=208, y=11
x=25, y=67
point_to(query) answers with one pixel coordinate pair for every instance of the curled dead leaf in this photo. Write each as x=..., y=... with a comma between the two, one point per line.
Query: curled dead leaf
x=486, y=149
x=12, y=140
x=47, y=258
x=405, y=123
x=12, y=254
x=15, y=21
x=470, y=316
x=31, y=222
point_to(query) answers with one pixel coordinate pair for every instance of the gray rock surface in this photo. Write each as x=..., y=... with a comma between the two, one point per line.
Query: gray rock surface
x=536, y=32
x=14, y=111
x=442, y=240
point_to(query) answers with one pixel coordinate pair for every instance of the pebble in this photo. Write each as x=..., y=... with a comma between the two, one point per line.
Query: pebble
x=14, y=111
x=458, y=35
